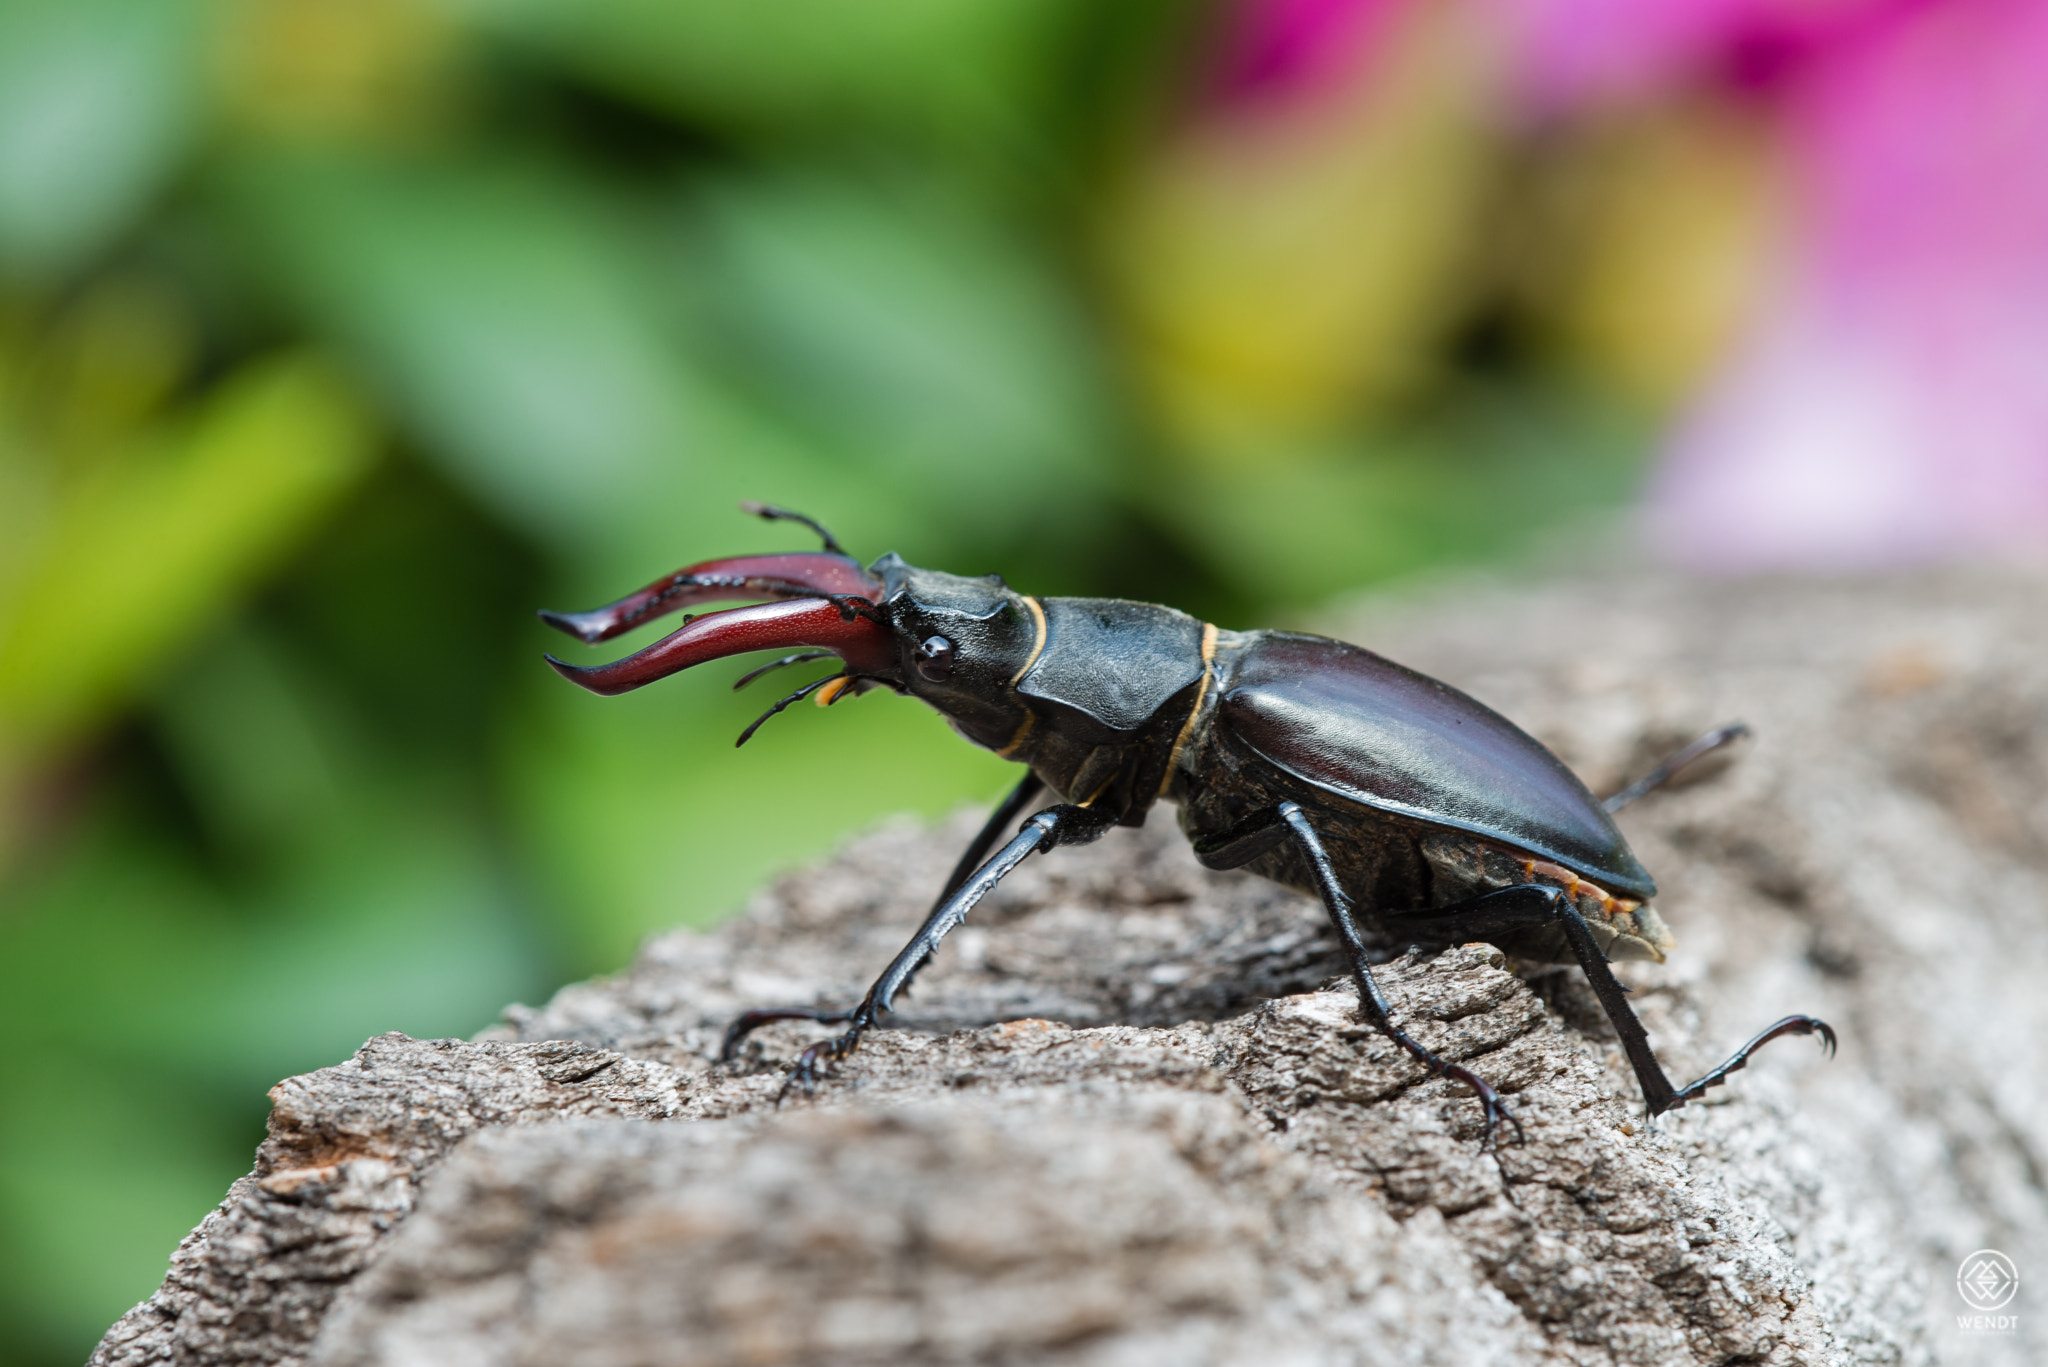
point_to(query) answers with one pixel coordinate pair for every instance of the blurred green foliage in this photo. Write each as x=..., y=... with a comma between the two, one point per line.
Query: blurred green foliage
x=338, y=335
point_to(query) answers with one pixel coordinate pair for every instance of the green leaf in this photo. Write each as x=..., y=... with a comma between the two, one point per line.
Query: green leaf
x=1488, y=477
x=149, y=1010
x=150, y=547
x=512, y=327
x=98, y=101
x=952, y=70
x=894, y=318
x=102, y=1171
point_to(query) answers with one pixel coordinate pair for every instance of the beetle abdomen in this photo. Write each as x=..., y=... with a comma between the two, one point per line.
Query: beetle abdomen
x=1359, y=726
x=1466, y=866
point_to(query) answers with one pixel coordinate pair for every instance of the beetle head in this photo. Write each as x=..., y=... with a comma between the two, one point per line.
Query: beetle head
x=961, y=645
x=957, y=643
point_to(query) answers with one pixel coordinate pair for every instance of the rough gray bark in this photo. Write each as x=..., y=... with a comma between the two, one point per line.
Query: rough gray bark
x=1125, y=1123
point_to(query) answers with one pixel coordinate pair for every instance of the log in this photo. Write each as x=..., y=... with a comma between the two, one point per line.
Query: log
x=1131, y=1117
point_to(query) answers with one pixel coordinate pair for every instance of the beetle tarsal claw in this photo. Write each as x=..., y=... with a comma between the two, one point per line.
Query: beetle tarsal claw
x=1790, y=1025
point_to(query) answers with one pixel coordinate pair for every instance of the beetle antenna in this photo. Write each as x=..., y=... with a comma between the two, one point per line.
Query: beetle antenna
x=768, y=512
x=801, y=657
x=798, y=696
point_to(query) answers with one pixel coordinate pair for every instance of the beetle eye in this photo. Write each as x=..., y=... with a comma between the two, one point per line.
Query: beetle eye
x=935, y=658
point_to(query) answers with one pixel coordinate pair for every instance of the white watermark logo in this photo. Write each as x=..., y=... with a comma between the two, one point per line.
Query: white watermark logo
x=1987, y=1280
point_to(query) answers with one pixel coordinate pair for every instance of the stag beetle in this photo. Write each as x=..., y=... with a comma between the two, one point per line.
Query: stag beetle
x=1401, y=803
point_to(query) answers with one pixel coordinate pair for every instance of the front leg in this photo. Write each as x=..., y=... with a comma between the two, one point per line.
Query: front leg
x=1267, y=829
x=1538, y=904
x=747, y=1022
x=1055, y=826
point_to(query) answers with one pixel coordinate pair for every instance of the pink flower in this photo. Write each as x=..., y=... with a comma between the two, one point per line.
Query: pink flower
x=1892, y=402
x=1278, y=49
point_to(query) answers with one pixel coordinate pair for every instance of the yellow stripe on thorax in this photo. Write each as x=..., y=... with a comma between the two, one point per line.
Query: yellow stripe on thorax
x=1201, y=692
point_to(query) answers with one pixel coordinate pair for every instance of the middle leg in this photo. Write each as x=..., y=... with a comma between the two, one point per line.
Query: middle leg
x=1262, y=832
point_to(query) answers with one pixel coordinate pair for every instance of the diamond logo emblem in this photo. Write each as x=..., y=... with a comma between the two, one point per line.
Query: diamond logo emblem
x=1987, y=1280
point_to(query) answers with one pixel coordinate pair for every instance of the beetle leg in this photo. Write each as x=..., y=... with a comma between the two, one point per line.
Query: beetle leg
x=747, y=1022
x=977, y=850
x=1791, y=1025
x=1028, y=787
x=1530, y=904
x=1534, y=904
x=1258, y=833
x=1668, y=767
x=1055, y=826
x=1264, y=830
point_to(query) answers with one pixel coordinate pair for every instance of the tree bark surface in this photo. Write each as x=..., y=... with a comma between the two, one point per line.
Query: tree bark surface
x=1131, y=1117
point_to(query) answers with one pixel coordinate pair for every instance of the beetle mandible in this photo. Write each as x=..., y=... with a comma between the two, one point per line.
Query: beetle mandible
x=1402, y=804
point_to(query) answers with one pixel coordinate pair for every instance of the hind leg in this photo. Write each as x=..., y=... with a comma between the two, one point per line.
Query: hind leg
x=1538, y=904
